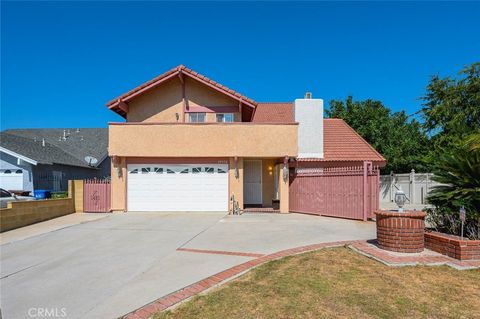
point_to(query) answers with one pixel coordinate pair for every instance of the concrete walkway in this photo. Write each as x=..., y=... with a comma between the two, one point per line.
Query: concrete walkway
x=108, y=267
x=48, y=226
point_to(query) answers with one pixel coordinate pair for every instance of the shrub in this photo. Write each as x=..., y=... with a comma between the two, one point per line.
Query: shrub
x=458, y=169
x=59, y=195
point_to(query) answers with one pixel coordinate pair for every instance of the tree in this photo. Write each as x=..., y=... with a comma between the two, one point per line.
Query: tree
x=399, y=139
x=451, y=109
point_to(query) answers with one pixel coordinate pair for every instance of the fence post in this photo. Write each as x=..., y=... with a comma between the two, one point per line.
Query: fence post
x=365, y=187
x=392, y=184
x=78, y=195
x=412, y=187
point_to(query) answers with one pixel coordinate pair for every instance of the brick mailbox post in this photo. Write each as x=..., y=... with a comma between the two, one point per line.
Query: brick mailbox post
x=401, y=231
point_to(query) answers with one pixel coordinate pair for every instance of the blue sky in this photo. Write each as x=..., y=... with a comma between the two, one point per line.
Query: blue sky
x=61, y=62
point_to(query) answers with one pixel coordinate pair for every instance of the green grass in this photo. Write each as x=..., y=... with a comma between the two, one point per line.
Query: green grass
x=339, y=283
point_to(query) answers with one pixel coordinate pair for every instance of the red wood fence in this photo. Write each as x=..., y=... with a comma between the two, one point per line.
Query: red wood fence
x=96, y=195
x=347, y=192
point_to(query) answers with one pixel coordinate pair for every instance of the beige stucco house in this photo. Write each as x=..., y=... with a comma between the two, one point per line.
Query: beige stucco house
x=191, y=144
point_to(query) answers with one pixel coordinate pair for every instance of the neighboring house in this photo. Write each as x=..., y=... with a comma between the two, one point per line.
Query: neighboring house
x=191, y=144
x=47, y=158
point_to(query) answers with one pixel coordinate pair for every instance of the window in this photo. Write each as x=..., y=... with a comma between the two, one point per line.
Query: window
x=169, y=171
x=145, y=170
x=196, y=170
x=225, y=117
x=209, y=170
x=196, y=117
x=7, y=171
x=134, y=171
x=184, y=171
x=18, y=171
x=158, y=170
x=4, y=193
x=221, y=171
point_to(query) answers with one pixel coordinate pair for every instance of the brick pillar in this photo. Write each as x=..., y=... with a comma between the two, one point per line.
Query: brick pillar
x=401, y=231
x=77, y=195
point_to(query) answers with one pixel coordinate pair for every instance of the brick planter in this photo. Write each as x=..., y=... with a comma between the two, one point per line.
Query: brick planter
x=453, y=246
x=401, y=231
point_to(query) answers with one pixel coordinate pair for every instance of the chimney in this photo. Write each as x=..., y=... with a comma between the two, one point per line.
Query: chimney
x=43, y=142
x=309, y=115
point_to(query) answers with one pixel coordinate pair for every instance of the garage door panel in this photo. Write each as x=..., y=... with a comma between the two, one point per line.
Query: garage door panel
x=201, y=187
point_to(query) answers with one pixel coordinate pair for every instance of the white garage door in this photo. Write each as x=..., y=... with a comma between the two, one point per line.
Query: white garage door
x=11, y=179
x=182, y=187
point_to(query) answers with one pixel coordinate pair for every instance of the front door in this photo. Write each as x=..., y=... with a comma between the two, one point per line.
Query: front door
x=252, y=182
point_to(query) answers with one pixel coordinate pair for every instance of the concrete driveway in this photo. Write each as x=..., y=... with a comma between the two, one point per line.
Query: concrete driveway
x=107, y=267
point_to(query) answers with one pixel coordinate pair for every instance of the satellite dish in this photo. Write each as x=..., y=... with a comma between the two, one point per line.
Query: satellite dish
x=91, y=160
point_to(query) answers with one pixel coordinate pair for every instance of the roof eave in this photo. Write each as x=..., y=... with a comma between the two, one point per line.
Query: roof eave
x=19, y=156
x=115, y=104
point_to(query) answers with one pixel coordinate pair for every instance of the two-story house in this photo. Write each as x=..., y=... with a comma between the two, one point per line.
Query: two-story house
x=192, y=144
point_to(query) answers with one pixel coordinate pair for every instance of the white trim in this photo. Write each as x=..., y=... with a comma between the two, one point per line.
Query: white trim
x=310, y=155
x=23, y=158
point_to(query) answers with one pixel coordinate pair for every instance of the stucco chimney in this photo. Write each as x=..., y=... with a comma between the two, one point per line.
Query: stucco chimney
x=309, y=115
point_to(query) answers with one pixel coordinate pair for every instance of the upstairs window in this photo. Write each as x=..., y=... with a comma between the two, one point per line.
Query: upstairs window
x=225, y=117
x=196, y=117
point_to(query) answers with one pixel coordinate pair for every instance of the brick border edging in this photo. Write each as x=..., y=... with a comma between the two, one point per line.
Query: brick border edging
x=203, y=285
x=385, y=257
x=453, y=246
x=220, y=252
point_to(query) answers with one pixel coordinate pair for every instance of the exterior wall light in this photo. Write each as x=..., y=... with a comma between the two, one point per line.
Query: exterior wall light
x=400, y=199
x=236, y=167
x=116, y=163
x=285, y=169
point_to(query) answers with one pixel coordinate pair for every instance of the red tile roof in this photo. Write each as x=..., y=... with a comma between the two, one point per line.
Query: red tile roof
x=276, y=112
x=113, y=104
x=341, y=142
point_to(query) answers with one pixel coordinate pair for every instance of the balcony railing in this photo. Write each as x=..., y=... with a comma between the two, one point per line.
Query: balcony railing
x=202, y=139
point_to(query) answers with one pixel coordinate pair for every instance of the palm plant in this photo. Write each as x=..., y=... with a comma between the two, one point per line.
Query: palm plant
x=458, y=171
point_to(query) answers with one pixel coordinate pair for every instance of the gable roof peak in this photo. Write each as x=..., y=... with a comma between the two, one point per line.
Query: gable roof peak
x=116, y=104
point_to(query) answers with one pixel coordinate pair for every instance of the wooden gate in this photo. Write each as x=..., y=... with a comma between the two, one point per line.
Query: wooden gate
x=96, y=195
x=347, y=192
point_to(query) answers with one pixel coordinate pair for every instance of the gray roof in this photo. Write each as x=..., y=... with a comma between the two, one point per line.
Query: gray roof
x=71, y=150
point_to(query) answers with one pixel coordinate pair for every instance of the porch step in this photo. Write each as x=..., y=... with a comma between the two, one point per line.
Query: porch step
x=260, y=210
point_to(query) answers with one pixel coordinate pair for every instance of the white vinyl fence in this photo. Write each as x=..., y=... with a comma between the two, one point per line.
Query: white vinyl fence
x=415, y=185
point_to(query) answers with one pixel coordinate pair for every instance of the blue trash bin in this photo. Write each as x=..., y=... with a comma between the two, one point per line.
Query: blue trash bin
x=42, y=194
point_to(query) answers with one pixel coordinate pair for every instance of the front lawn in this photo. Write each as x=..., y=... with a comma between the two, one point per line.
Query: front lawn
x=339, y=283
